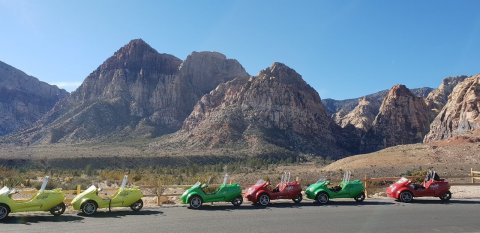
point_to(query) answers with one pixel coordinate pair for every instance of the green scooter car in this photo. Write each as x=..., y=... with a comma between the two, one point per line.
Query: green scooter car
x=196, y=195
x=43, y=200
x=321, y=193
x=88, y=201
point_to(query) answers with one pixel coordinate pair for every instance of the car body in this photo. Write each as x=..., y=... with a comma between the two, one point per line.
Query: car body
x=261, y=193
x=43, y=200
x=322, y=193
x=404, y=190
x=88, y=201
x=195, y=196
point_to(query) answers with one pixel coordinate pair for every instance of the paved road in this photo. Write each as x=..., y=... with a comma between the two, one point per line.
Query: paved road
x=339, y=216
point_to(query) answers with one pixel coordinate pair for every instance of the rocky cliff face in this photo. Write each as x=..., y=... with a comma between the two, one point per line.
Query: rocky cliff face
x=403, y=119
x=461, y=114
x=439, y=97
x=361, y=117
x=276, y=107
x=339, y=108
x=23, y=99
x=137, y=92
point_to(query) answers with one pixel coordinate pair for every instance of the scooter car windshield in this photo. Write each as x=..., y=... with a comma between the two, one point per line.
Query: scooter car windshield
x=261, y=181
x=4, y=190
x=321, y=180
x=402, y=180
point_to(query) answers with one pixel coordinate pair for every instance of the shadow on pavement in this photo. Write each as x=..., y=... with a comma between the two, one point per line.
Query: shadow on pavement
x=249, y=206
x=121, y=213
x=28, y=220
x=438, y=201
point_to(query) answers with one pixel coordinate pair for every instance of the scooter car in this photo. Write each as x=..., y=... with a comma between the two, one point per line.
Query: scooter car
x=88, y=201
x=43, y=200
x=322, y=193
x=197, y=194
x=262, y=192
x=404, y=190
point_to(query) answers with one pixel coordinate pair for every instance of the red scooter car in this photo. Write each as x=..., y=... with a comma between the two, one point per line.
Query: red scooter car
x=262, y=192
x=404, y=190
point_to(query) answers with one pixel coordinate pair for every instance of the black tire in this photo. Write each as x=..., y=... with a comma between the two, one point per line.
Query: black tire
x=263, y=199
x=195, y=202
x=89, y=208
x=58, y=209
x=298, y=199
x=137, y=206
x=4, y=211
x=237, y=201
x=406, y=196
x=360, y=197
x=322, y=198
x=446, y=196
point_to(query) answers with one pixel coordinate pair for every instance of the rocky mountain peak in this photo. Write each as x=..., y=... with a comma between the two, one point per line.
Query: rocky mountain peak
x=266, y=111
x=282, y=73
x=24, y=99
x=399, y=90
x=205, y=70
x=461, y=114
x=403, y=119
x=138, y=55
x=439, y=97
x=137, y=92
x=361, y=117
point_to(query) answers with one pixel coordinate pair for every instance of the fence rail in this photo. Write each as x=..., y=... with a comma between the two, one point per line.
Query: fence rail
x=475, y=175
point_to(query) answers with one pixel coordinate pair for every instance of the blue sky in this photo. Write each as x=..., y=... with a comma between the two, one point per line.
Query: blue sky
x=344, y=49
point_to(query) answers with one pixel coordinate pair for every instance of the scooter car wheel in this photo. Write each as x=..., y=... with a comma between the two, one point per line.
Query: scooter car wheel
x=446, y=196
x=137, y=206
x=58, y=210
x=298, y=199
x=322, y=198
x=89, y=208
x=360, y=197
x=237, y=201
x=4, y=211
x=195, y=202
x=406, y=196
x=264, y=200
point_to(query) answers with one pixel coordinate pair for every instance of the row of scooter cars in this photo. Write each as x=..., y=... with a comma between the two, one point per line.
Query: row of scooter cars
x=54, y=200
x=261, y=193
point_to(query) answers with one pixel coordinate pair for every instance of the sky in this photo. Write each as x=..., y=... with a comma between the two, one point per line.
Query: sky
x=342, y=48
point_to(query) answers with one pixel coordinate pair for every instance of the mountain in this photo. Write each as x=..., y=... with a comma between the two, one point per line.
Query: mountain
x=461, y=113
x=276, y=107
x=23, y=99
x=339, y=108
x=439, y=97
x=361, y=117
x=403, y=118
x=137, y=92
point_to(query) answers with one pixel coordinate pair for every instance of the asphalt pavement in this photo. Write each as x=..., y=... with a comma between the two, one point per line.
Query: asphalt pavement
x=373, y=215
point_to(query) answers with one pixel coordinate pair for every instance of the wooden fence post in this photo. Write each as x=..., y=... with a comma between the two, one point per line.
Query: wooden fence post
x=471, y=174
x=366, y=186
x=78, y=189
